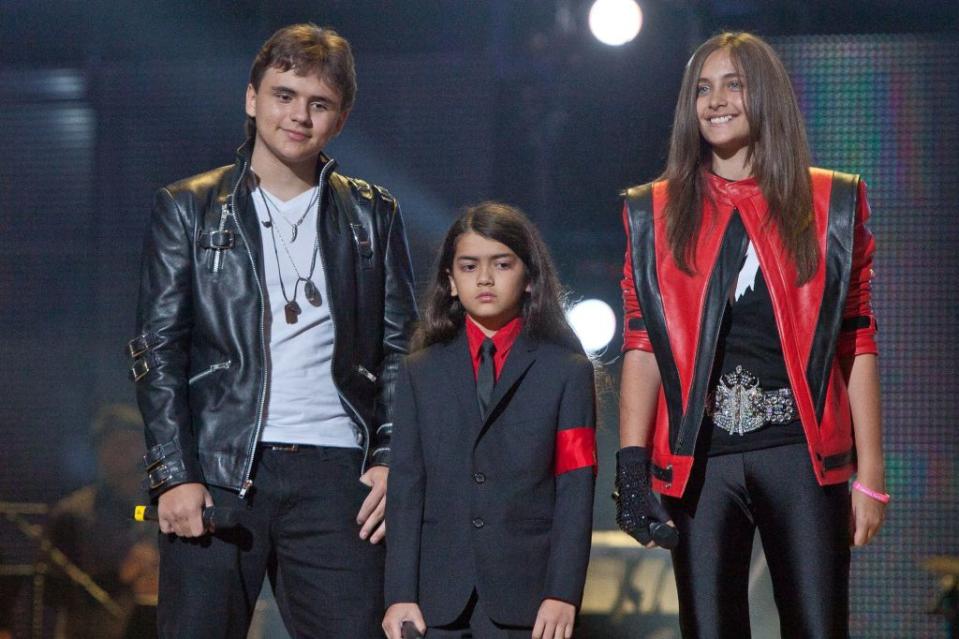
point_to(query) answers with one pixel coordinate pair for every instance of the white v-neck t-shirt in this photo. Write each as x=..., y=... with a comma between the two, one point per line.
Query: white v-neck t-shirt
x=303, y=406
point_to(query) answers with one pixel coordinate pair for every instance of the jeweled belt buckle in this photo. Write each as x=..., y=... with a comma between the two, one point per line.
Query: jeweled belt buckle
x=739, y=405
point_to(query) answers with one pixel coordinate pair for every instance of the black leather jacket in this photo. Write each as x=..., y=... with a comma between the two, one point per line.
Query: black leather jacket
x=200, y=359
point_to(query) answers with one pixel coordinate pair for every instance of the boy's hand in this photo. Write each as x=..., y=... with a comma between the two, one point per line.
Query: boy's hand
x=397, y=614
x=554, y=620
x=180, y=510
x=373, y=509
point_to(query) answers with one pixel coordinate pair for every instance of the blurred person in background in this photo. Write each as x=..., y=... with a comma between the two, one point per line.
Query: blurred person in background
x=93, y=527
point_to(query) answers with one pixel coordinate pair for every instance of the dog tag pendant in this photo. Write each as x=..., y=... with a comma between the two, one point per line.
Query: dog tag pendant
x=293, y=236
x=312, y=293
x=292, y=310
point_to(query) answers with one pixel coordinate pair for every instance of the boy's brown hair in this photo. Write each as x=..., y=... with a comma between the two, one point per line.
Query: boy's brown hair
x=307, y=48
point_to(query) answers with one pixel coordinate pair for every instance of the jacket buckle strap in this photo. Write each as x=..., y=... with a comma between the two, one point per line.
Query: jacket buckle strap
x=855, y=323
x=662, y=474
x=141, y=344
x=139, y=369
x=362, y=239
x=164, y=472
x=832, y=462
x=139, y=349
x=217, y=240
x=160, y=452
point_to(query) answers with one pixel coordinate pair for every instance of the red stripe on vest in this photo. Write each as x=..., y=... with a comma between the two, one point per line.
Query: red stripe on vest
x=575, y=448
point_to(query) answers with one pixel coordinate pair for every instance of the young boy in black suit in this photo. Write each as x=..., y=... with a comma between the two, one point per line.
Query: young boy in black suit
x=491, y=489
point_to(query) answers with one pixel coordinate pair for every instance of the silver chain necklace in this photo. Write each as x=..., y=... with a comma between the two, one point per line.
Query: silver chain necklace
x=295, y=226
x=292, y=309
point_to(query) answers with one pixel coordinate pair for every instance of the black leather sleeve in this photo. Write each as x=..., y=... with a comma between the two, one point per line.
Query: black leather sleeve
x=399, y=313
x=164, y=321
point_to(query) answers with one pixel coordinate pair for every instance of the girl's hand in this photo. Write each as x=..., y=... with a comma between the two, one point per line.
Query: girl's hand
x=866, y=518
x=554, y=620
x=397, y=614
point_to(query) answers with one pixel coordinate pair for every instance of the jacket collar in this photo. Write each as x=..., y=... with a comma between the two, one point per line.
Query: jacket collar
x=728, y=192
x=243, y=158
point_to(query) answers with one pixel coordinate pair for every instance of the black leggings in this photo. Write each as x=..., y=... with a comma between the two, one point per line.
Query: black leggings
x=805, y=534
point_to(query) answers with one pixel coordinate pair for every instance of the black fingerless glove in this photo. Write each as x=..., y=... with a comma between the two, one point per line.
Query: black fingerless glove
x=638, y=513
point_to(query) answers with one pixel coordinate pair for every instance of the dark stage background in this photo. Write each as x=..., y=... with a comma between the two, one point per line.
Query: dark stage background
x=101, y=103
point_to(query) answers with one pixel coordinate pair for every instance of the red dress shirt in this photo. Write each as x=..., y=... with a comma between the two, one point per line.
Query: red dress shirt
x=502, y=339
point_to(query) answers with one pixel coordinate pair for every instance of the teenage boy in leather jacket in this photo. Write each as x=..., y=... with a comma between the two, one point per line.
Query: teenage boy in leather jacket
x=275, y=298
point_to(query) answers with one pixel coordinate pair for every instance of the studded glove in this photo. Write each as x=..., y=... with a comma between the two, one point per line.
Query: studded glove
x=638, y=512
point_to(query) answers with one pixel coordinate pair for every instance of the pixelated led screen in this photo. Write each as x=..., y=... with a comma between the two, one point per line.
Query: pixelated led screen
x=885, y=107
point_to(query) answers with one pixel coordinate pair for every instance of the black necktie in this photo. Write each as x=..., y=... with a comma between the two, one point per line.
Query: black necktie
x=486, y=376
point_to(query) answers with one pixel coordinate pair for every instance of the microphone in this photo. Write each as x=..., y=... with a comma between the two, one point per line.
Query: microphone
x=664, y=535
x=213, y=518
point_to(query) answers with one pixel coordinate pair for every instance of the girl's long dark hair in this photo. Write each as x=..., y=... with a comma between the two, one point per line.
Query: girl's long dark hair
x=777, y=148
x=543, y=314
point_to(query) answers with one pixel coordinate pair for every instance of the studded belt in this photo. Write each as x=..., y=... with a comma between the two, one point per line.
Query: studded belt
x=739, y=405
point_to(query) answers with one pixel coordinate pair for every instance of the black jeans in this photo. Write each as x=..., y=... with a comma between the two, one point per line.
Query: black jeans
x=804, y=530
x=299, y=527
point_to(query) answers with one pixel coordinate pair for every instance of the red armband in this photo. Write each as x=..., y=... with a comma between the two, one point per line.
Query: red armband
x=575, y=448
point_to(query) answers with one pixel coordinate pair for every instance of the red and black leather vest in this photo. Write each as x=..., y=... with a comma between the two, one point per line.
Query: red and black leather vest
x=826, y=318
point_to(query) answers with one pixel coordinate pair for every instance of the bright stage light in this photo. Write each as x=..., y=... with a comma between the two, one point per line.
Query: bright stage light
x=615, y=22
x=594, y=323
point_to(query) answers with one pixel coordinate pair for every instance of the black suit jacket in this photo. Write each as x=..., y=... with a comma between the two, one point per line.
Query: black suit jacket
x=477, y=503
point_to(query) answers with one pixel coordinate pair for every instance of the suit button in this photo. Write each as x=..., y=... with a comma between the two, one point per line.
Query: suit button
x=479, y=478
x=478, y=523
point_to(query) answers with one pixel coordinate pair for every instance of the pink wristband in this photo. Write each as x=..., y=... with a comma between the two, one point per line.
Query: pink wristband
x=880, y=497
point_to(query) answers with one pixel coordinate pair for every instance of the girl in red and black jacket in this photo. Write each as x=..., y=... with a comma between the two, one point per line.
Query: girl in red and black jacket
x=750, y=390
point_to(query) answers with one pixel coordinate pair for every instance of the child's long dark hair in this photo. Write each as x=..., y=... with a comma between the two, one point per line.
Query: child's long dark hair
x=543, y=316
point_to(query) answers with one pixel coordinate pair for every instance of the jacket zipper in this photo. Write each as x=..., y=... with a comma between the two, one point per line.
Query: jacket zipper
x=212, y=369
x=362, y=370
x=248, y=472
x=324, y=172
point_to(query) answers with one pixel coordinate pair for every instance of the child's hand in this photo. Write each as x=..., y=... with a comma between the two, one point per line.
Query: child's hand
x=373, y=511
x=554, y=620
x=397, y=614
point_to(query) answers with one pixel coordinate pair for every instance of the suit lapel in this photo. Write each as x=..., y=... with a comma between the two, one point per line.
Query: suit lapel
x=520, y=358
